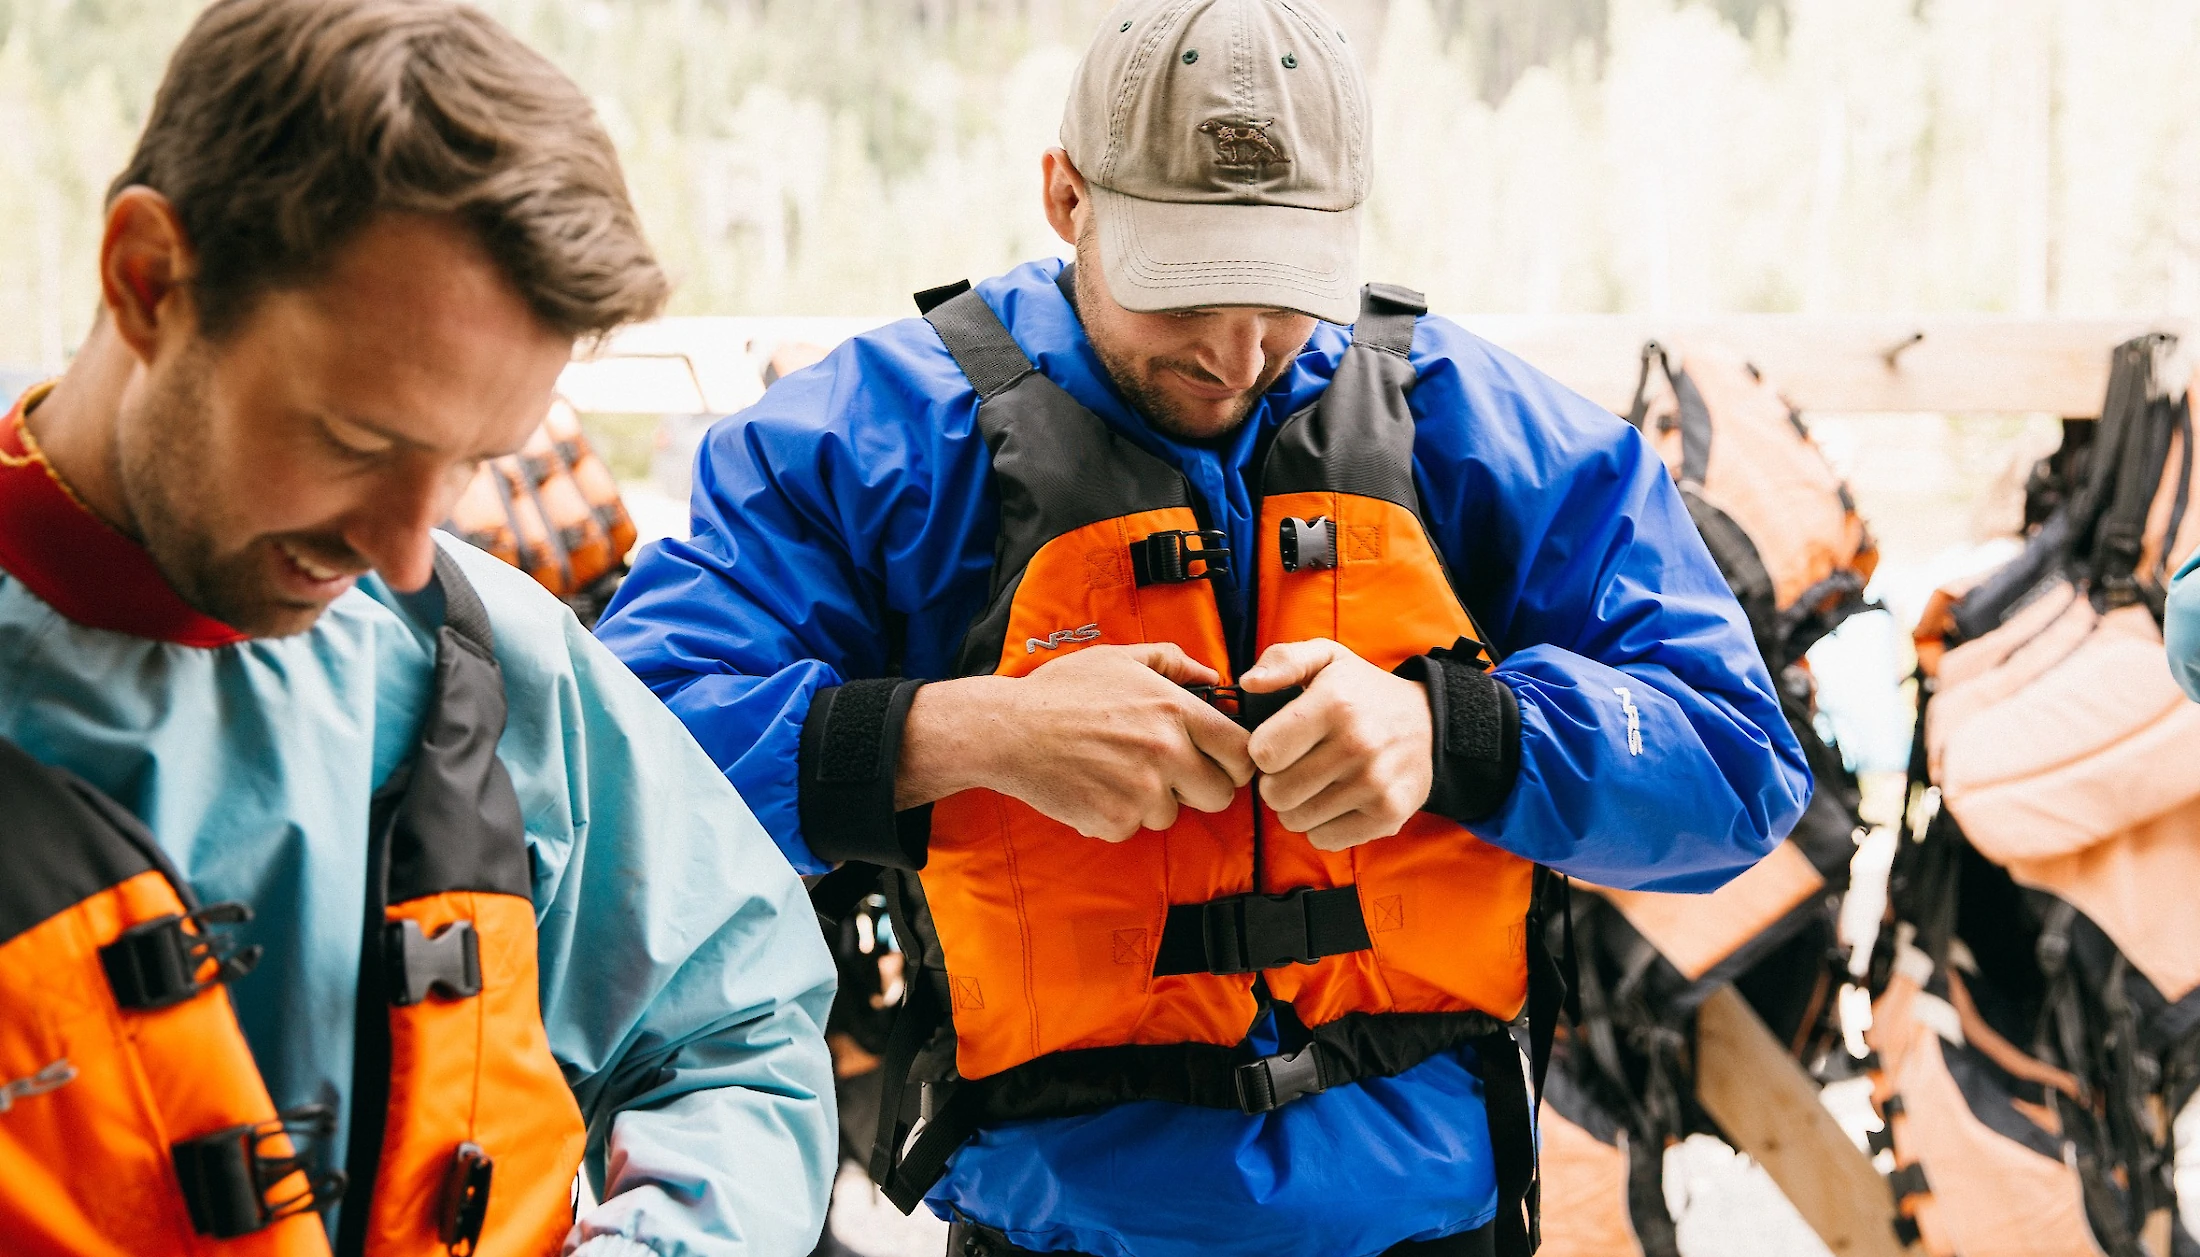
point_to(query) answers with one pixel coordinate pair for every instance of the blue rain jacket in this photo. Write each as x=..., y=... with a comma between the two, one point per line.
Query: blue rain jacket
x=2181, y=628
x=684, y=982
x=860, y=486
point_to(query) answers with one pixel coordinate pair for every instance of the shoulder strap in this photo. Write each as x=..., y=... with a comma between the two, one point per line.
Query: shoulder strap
x=1388, y=313
x=981, y=346
x=462, y=608
x=1694, y=417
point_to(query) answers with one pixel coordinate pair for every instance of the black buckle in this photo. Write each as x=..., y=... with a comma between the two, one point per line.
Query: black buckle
x=1308, y=544
x=1244, y=706
x=447, y=965
x=226, y=1176
x=1164, y=558
x=1248, y=933
x=1908, y=1181
x=157, y=963
x=465, y=1198
x=1271, y=1082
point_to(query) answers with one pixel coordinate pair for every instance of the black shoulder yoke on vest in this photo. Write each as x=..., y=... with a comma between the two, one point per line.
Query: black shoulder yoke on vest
x=1058, y=466
x=1358, y=436
x=66, y=842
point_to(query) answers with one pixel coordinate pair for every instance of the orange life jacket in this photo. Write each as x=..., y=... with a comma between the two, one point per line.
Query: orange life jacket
x=132, y=1117
x=1078, y=974
x=552, y=510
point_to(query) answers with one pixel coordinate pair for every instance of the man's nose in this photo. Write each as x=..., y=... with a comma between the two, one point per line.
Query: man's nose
x=394, y=530
x=1234, y=354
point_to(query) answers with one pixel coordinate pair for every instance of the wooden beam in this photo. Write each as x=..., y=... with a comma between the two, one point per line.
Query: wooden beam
x=1959, y=364
x=1770, y=1110
x=1943, y=363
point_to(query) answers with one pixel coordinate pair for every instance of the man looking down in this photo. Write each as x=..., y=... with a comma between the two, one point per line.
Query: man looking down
x=1210, y=650
x=414, y=899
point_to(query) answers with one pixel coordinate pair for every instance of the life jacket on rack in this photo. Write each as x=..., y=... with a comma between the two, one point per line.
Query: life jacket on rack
x=1052, y=974
x=133, y=1119
x=1786, y=534
x=553, y=511
x=2037, y=1021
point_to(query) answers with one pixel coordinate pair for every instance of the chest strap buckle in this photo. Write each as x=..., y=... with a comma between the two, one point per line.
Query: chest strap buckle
x=1169, y=558
x=447, y=965
x=1248, y=933
x=1271, y=1082
x=230, y=1178
x=167, y=960
x=1307, y=544
x=1244, y=706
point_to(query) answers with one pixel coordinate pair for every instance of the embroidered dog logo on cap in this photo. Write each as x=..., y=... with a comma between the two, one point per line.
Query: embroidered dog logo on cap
x=1243, y=143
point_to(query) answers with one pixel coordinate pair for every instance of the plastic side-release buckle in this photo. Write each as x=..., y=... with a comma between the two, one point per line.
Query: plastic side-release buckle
x=1308, y=544
x=167, y=960
x=1168, y=558
x=465, y=1198
x=1244, y=706
x=227, y=1176
x=1271, y=1082
x=447, y=965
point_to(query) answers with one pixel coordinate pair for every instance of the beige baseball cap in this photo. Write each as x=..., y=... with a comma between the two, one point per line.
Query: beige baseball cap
x=1226, y=145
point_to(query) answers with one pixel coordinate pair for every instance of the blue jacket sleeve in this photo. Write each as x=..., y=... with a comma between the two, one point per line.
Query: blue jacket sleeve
x=1653, y=750
x=828, y=519
x=684, y=984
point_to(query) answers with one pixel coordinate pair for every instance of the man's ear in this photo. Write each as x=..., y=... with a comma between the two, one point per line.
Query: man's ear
x=1067, y=202
x=145, y=260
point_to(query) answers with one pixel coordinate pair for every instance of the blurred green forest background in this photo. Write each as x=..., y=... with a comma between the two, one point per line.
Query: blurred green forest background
x=830, y=156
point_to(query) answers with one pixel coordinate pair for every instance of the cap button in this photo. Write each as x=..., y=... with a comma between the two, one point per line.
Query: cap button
x=1124, y=27
x=1191, y=55
x=1290, y=61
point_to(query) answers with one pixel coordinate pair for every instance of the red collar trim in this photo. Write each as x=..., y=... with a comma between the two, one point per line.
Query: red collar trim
x=82, y=568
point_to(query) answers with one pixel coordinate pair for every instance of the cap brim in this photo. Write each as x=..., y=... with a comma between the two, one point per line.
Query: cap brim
x=1171, y=255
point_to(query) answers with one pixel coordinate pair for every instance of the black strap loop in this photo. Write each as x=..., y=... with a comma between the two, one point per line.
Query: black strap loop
x=158, y=963
x=1908, y=1181
x=465, y=1203
x=1247, y=933
x=227, y=1176
x=1167, y=558
x=447, y=965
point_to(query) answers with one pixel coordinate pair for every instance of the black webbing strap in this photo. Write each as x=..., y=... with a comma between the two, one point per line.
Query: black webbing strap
x=1246, y=933
x=915, y=1021
x=1387, y=315
x=836, y=894
x=981, y=346
x=1694, y=418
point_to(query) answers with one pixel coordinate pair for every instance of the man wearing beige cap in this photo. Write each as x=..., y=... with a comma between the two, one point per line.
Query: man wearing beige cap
x=1209, y=679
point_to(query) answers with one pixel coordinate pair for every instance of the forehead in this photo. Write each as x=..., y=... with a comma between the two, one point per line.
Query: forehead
x=414, y=329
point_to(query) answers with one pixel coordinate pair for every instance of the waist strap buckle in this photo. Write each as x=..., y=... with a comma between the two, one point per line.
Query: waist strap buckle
x=230, y=1177
x=1169, y=558
x=1248, y=933
x=1271, y=1082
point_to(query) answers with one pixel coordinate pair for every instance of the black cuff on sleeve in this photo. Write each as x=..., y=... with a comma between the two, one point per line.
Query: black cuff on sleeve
x=851, y=744
x=1475, y=747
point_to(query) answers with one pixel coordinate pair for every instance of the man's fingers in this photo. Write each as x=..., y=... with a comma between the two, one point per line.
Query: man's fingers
x=1309, y=775
x=1290, y=663
x=1285, y=737
x=1201, y=783
x=1347, y=831
x=1221, y=740
x=1328, y=804
x=1169, y=659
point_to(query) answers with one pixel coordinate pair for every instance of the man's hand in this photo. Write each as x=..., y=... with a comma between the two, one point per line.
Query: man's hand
x=1350, y=760
x=1105, y=740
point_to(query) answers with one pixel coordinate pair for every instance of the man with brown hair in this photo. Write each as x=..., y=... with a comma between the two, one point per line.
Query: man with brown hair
x=355, y=894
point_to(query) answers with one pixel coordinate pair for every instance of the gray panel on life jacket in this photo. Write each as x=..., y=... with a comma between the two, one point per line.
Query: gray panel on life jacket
x=66, y=842
x=458, y=824
x=1357, y=437
x=1057, y=466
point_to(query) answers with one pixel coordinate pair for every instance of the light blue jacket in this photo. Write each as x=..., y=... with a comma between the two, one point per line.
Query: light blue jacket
x=684, y=981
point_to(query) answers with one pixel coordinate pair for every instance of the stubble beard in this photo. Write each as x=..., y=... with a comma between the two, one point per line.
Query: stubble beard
x=165, y=465
x=1134, y=378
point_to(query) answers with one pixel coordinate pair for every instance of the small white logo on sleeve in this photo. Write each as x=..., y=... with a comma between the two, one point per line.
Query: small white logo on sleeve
x=1634, y=719
x=1082, y=633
